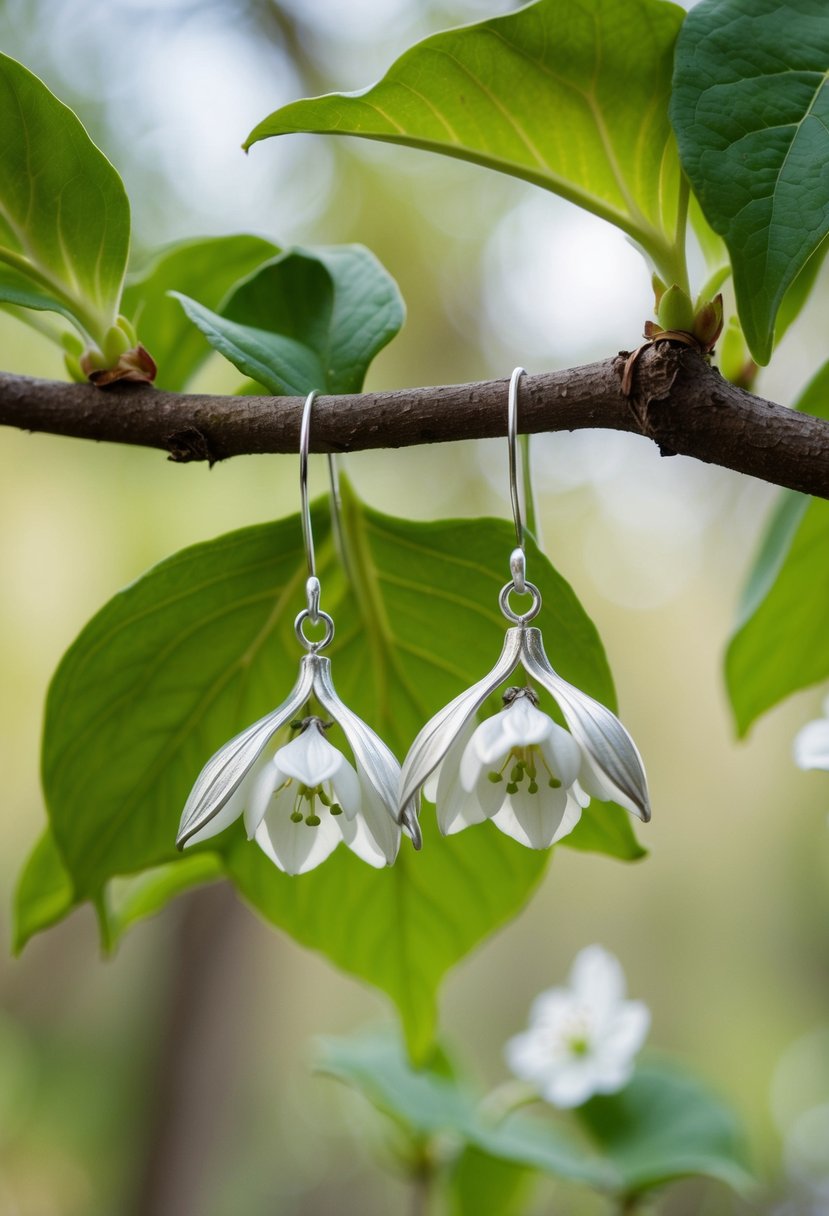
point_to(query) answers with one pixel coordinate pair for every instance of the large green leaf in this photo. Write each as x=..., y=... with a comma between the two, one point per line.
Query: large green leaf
x=310, y=318
x=781, y=643
x=64, y=214
x=204, y=644
x=44, y=893
x=569, y=94
x=206, y=269
x=666, y=1125
x=428, y=1101
x=751, y=111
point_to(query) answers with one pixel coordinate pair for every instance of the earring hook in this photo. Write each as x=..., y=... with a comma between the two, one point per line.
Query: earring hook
x=313, y=612
x=512, y=440
x=517, y=561
x=304, y=446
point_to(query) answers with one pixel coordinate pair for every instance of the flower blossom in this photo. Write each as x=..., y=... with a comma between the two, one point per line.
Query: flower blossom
x=517, y=768
x=811, y=744
x=300, y=801
x=308, y=798
x=582, y=1038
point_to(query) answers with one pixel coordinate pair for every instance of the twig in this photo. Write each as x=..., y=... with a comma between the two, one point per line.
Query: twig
x=677, y=401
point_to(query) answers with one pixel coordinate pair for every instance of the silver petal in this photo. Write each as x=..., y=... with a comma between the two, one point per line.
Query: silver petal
x=377, y=761
x=226, y=770
x=437, y=736
x=598, y=731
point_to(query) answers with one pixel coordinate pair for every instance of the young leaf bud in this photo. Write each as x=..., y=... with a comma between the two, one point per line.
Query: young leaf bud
x=676, y=310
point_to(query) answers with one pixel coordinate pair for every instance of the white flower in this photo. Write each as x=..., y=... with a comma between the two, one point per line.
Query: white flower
x=517, y=768
x=302, y=801
x=448, y=758
x=308, y=798
x=811, y=744
x=582, y=1039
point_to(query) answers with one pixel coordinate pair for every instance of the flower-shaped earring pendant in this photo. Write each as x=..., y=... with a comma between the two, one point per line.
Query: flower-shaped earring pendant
x=519, y=768
x=305, y=798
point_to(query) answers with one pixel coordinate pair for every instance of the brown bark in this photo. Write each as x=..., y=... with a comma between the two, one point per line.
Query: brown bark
x=678, y=401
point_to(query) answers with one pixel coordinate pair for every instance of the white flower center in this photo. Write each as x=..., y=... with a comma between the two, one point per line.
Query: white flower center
x=308, y=801
x=526, y=764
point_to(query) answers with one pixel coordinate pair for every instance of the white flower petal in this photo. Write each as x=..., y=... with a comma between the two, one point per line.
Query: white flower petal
x=554, y=1010
x=523, y=723
x=361, y=842
x=449, y=797
x=261, y=791
x=597, y=979
x=532, y=819
x=346, y=788
x=380, y=824
x=358, y=838
x=570, y=1085
x=582, y=1039
x=626, y=1031
x=295, y=847
x=811, y=745
x=486, y=749
x=562, y=753
x=527, y=1056
x=450, y=762
x=489, y=796
x=430, y=785
x=310, y=758
x=571, y=816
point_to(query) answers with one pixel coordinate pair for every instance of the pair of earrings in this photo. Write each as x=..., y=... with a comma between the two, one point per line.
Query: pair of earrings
x=519, y=768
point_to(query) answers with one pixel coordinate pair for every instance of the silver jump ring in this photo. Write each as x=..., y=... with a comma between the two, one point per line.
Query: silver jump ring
x=314, y=647
x=520, y=618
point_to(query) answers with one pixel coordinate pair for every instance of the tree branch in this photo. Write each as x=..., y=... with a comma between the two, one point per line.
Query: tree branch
x=678, y=401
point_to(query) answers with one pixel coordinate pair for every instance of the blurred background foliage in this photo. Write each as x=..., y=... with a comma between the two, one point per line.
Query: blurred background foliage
x=175, y=1078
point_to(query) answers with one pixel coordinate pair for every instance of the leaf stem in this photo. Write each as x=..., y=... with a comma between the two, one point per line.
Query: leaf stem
x=680, y=238
x=421, y=1192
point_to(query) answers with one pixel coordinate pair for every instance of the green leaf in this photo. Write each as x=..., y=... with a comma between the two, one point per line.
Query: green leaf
x=781, y=644
x=130, y=900
x=666, y=1125
x=481, y=1183
x=750, y=108
x=206, y=269
x=798, y=293
x=784, y=645
x=311, y=318
x=546, y=1145
x=204, y=644
x=423, y=1101
x=64, y=214
x=569, y=94
x=44, y=893
x=428, y=1101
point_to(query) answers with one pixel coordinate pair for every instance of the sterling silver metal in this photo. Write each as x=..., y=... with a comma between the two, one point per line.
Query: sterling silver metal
x=227, y=769
x=224, y=772
x=512, y=442
x=611, y=768
x=313, y=612
x=518, y=557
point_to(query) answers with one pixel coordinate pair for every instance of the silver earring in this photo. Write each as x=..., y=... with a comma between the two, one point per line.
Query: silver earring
x=305, y=798
x=519, y=767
